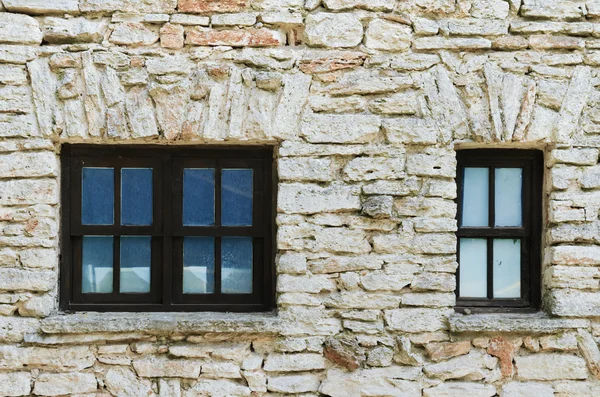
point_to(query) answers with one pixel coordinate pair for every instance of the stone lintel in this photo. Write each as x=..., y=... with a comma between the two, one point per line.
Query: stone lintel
x=162, y=323
x=534, y=323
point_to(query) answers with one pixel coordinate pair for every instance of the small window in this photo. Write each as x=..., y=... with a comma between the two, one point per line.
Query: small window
x=149, y=228
x=499, y=229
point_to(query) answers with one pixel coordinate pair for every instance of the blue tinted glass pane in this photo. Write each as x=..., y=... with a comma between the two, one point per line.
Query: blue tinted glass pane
x=135, y=263
x=97, y=264
x=508, y=197
x=198, y=196
x=97, y=196
x=507, y=268
x=236, y=265
x=136, y=196
x=475, y=197
x=236, y=197
x=198, y=265
x=473, y=267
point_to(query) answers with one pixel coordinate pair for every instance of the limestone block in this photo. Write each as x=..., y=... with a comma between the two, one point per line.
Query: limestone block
x=38, y=306
x=12, y=75
x=589, y=350
x=296, y=198
x=41, y=7
x=19, y=29
x=368, y=83
x=434, y=281
x=16, y=54
x=550, y=9
x=392, y=188
x=338, y=240
x=331, y=128
x=369, y=168
x=43, y=86
x=425, y=26
x=377, y=5
x=337, y=264
x=237, y=19
x=306, y=169
x=282, y=18
x=333, y=30
x=250, y=37
x=361, y=300
x=217, y=387
x=122, y=382
x=414, y=61
x=15, y=99
x=28, y=164
x=62, y=359
x=436, y=6
x=291, y=263
x=445, y=350
x=15, y=383
x=74, y=30
x=474, y=27
x=404, y=103
x=221, y=370
x=392, y=381
x=566, y=302
x=473, y=366
x=14, y=329
x=429, y=299
x=490, y=9
x=60, y=384
x=293, y=383
x=451, y=44
x=311, y=284
x=378, y=207
x=413, y=320
x=544, y=366
x=381, y=281
x=572, y=277
x=421, y=164
x=294, y=362
x=190, y=20
x=133, y=34
x=525, y=389
x=158, y=366
x=460, y=389
x=387, y=36
x=171, y=36
x=209, y=7
x=26, y=280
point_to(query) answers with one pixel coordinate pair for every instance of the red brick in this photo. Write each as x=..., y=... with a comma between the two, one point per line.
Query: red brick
x=236, y=38
x=211, y=6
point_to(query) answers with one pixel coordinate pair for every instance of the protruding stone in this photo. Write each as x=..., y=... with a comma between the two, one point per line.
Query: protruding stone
x=344, y=352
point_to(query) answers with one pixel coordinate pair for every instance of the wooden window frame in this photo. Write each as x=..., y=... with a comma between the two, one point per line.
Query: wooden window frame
x=530, y=233
x=167, y=234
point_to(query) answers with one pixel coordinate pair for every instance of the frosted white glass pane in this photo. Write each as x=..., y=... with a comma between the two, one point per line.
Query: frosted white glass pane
x=507, y=268
x=97, y=264
x=508, y=196
x=135, y=263
x=236, y=209
x=473, y=268
x=97, y=196
x=136, y=196
x=236, y=265
x=198, y=196
x=475, y=204
x=198, y=265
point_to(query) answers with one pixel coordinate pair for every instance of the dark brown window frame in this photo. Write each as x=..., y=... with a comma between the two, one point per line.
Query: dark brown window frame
x=167, y=235
x=532, y=163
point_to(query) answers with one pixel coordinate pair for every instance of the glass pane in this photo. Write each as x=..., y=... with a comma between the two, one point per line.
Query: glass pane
x=97, y=196
x=136, y=196
x=473, y=267
x=236, y=197
x=508, y=196
x=475, y=197
x=198, y=265
x=507, y=268
x=198, y=196
x=97, y=264
x=236, y=265
x=135, y=263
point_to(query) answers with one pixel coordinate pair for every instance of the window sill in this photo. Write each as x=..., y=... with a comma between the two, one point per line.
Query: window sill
x=539, y=323
x=161, y=323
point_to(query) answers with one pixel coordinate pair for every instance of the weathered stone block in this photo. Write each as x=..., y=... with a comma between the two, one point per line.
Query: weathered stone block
x=460, y=389
x=333, y=128
x=416, y=320
x=60, y=384
x=387, y=36
x=15, y=383
x=41, y=7
x=19, y=29
x=75, y=30
x=250, y=37
x=294, y=362
x=550, y=367
x=211, y=6
x=160, y=366
x=26, y=280
x=333, y=30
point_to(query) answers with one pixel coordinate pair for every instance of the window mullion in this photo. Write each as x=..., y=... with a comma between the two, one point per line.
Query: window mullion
x=167, y=241
x=490, y=268
x=218, y=222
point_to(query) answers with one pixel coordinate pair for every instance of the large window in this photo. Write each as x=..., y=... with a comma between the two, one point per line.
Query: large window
x=166, y=228
x=499, y=222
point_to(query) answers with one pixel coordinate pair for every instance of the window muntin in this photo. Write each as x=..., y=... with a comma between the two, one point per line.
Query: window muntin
x=147, y=228
x=499, y=228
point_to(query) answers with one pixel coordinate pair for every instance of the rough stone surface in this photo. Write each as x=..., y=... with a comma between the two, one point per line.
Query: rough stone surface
x=365, y=104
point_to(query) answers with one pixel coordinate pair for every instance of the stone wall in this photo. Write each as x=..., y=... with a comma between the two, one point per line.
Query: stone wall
x=365, y=102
